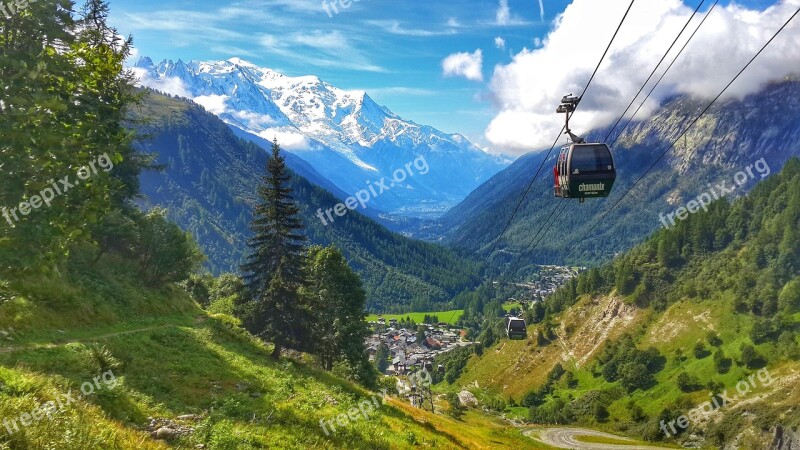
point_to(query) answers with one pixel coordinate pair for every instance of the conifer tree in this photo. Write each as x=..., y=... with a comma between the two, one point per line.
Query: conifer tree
x=273, y=272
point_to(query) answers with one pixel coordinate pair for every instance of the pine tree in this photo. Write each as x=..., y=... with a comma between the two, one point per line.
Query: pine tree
x=273, y=272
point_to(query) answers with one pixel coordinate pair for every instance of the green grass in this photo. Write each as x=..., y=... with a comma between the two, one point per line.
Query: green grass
x=450, y=317
x=210, y=365
x=171, y=359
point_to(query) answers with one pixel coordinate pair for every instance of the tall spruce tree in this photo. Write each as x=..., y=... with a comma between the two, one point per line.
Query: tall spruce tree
x=273, y=272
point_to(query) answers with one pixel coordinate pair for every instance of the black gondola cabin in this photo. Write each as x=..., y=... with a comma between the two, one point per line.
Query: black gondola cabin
x=584, y=171
x=516, y=328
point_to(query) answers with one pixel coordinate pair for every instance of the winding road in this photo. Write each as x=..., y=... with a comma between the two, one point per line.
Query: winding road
x=568, y=438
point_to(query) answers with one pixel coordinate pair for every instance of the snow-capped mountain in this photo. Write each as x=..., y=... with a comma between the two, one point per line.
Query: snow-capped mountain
x=344, y=135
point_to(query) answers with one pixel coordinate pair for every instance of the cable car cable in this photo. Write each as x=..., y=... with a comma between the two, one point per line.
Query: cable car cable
x=716, y=2
x=538, y=171
x=536, y=239
x=694, y=122
x=525, y=194
x=630, y=119
x=655, y=69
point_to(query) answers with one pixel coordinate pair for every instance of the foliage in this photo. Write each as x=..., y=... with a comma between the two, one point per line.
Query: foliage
x=273, y=308
x=700, y=351
x=338, y=305
x=64, y=104
x=207, y=186
x=456, y=408
x=722, y=364
x=688, y=383
x=167, y=254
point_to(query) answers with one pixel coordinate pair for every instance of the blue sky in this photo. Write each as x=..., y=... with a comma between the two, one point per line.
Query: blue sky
x=393, y=49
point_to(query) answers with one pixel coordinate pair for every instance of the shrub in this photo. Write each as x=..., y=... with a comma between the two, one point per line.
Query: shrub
x=722, y=364
x=713, y=339
x=700, y=350
x=751, y=358
x=688, y=383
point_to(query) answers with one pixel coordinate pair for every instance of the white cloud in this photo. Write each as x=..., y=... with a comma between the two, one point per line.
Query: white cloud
x=394, y=27
x=319, y=48
x=290, y=140
x=500, y=43
x=467, y=65
x=526, y=91
x=253, y=120
x=503, y=13
x=215, y=104
x=170, y=85
x=541, y=10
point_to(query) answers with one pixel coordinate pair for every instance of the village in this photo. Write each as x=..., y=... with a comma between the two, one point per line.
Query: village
x=410, y=348
x=545, y=281
x=407, y=351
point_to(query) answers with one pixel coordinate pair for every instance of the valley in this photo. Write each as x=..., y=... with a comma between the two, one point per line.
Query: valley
x=290, y=229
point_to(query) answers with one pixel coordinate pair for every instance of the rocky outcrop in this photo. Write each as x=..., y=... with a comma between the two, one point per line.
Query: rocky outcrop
x=785, y=439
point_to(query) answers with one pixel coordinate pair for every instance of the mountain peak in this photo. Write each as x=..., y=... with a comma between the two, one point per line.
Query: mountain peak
x=144, y=63
x=242, y=62
x=345, y=135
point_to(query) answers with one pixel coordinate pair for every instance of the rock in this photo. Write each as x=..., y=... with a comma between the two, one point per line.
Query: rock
x=255, y=394
x=467, y=399
x=166, y=434
x=189, y=417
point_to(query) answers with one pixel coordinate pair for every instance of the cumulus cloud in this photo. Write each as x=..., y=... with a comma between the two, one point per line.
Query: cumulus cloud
x=526, y=91
x=500, y=43
x=467, y=65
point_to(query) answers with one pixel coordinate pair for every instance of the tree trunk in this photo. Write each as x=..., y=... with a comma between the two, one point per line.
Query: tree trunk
x=276, y=353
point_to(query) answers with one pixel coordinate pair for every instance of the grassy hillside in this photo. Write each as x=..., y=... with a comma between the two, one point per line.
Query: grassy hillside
x=170, y=360
x=209, y=185
x=693, y=312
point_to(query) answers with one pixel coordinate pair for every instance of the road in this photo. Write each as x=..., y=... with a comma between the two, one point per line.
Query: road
x=568, y=438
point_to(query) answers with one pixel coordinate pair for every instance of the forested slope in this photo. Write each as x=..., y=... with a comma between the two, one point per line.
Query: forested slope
x=208, y=185
x=655, y=333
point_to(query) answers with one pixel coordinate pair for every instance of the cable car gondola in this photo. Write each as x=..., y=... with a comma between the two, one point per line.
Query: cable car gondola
x=516, y=328
x=583, y=170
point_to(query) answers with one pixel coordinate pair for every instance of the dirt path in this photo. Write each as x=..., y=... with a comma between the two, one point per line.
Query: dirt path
x=568, y=438
x=95, y=338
